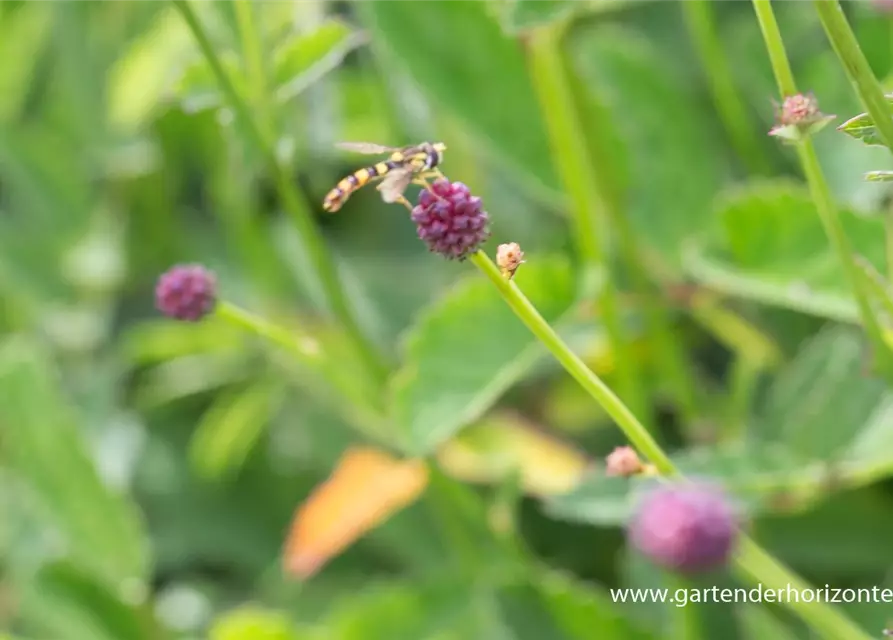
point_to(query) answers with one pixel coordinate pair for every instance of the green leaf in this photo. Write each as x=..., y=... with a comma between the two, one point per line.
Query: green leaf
x=22, y=38
x=544, y=606
x=464, y=73
x=879, y=176
x=821, y=401
x=141, y=76
x=468, y=348
x=524, y=15
x=521, y=15
x=197, y=89
x=251, y=623
x=863, y=128
x=757, y=623
x=670, y=146
x=231, y=427
x=755, y=475
x=304, y=59
x=65, y=601
x=775, y=251
x=42, y=444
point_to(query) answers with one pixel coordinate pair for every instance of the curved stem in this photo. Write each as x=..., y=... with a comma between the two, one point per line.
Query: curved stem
x=699, y=18
x=292, y=200
x=751, y=561
x=589, y=203
x=845, y=45
x=635, y=431
x=818, y=186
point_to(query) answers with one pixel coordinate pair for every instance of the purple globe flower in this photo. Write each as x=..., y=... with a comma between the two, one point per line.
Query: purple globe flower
x=186, y=292
x=687, y=527
x=450, y=220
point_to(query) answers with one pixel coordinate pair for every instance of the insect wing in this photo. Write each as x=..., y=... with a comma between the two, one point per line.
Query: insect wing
x=394, y=184
x=365, y=147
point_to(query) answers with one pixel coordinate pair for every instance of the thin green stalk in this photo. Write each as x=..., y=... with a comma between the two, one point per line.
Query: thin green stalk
x=255, y=69
x=292, y=200
x=818, y=186
x=625, y=419
x=845, y=45
x=701, y=25
x=588, y=205
x=558, y=99
x=751, y=562
x=307, y=353
x=754, y=564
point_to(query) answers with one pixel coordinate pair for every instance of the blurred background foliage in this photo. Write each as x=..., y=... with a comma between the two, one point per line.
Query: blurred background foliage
x=150, y=469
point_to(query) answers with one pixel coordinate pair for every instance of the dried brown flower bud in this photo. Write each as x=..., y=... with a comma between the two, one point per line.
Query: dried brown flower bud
x=623, y=461
x=509, y=257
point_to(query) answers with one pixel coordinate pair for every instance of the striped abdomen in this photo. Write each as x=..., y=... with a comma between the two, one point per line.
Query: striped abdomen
x=357, y=180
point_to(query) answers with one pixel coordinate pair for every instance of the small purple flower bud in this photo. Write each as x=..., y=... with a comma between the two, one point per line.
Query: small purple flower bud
x=687, y=527
x=186, y=292
x=450, y=220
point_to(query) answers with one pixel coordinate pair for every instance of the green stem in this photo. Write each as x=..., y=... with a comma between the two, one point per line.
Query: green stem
x=845, y=45
x=595, y=156
x=292, y=200
x=625, y=419
x=701, y=24
x=818, y=186
x=588, y=203
x=255, y=71
x=307, y=352
x=750, y=560
x=754, y=564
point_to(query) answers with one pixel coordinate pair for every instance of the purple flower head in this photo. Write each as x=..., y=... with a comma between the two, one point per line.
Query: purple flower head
x=186, y=292
x=450, y=220
x=688, y=527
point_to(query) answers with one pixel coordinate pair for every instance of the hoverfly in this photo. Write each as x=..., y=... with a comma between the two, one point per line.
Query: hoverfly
x=404, y=166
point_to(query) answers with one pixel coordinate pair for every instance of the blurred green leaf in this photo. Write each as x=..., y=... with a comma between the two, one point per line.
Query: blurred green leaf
x=758, y=623
x=142, y=74
x=822, y=400
x=22, y=39
x=845, y=536
x=775, y=251
x=468, y=348
x=197, y=88
x=670, y=148
x=879, y=176
x=863, y=128
x=543, y=607
x=251, y=623
x=519, y=15
x=465, y=73
x=64, y=601
x=232, y=426
x=42, y=444
x=303, y=59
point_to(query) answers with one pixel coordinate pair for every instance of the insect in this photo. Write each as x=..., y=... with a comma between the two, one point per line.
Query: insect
x=404, y=166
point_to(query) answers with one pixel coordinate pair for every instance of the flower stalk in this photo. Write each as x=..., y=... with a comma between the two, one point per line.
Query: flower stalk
x=750, y=560
x=635, y=431
x=292, y=200
x=700, y=21
x=845, y=45
x=594, y=211
x=818, y=186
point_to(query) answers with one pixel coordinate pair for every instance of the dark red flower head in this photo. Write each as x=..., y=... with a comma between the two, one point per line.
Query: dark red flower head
x=186, y=292
x=687, y=527
x=450, y=220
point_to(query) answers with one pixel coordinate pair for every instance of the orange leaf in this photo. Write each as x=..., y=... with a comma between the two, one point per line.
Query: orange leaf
x=366, y=487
